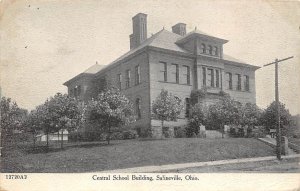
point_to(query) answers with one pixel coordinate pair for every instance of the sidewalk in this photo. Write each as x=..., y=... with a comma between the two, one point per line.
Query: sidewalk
x=272, y=142
x=164, y=168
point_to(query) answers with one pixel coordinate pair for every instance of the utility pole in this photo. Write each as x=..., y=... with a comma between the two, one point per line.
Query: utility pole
x=278, y=130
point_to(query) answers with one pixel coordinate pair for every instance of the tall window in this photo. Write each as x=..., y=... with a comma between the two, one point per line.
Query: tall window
x=186, y=74
x=137, y=75
x=246, y=83
x=217, y=78
x=77, y=91
x=119, y=81
x=202, y=48
x=238, y=84
x=163, y=71
x=215, y=51
x=187, y=107
x=101, y=83
x=174, y=73
x=127, y=78
x=210, y=50
x=229, y=80
x=71, y=93
x=210, y=77
x=138, y=108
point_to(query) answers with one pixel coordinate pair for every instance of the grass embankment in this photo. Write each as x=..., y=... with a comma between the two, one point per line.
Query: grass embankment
x=98, y=156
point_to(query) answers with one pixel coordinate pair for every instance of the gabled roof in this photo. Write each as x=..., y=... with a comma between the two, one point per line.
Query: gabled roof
x=88, y=72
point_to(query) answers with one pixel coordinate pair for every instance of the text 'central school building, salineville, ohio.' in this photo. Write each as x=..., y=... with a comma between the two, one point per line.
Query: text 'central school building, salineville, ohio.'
x=175, y=61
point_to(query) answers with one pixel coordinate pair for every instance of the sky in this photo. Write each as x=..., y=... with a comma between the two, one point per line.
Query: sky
x=45, y=43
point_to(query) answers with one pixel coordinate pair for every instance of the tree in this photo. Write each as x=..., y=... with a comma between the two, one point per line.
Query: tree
x=166, y=107
x=269, y=116
x=111, y=109
x=225, y=112
x=12, y=118
x=197, y=117
x=57, y=113
x=64, y=112
x=33, y=124
x=250, y=115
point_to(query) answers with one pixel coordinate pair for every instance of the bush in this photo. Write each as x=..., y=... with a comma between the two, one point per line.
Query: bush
x=191, y=129
x=116, y=136
x=232, y=132
x=201, y=134
x=236, y=132
x=86, y=136
x=179, y=132
x=259, y=132
x=130, y=134
x=167, y=132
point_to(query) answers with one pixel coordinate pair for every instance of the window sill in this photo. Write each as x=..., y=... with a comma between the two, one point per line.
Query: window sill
x=174, y=83
x=239, y=90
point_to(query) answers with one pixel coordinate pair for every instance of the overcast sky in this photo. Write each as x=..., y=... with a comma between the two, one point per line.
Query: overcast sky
x=45, y=43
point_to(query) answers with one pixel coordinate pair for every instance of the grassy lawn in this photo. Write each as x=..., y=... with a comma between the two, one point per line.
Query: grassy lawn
x=97, y=156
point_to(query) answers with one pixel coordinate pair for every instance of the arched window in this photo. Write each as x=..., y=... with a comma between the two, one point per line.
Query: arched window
x=138, y=108
x=210, y=50
x=215, y=51
x=203, y=48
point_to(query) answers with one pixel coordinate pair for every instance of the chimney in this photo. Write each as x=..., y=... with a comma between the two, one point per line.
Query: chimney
x=179, y=28
x=139, y=35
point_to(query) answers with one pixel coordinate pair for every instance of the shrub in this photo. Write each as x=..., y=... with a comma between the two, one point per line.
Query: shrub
x=259, y=132
x=117, y=136
x=130, y=134
x=180, y=132
x=86, y=136
x=201, y=134
x=232, y=132
x=167, y=132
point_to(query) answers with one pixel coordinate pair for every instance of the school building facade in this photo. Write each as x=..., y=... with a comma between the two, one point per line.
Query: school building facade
x=176, y=61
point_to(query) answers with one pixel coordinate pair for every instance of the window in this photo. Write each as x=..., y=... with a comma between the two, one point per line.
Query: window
x=174, y=73
x=246, y=83
x=210, y=77
x=215, y=51
x=127, y=78
x=204, y=75
x=119, y=81
x=210, y=50
x=186, y=74
x=163, y=71
x=138, y=108
x=217, y=78
x=187, y=107
x=229, y=80
x=101, y=83
x=77, y=91
x=238, y=84
x=137, y=75
x=203, y=48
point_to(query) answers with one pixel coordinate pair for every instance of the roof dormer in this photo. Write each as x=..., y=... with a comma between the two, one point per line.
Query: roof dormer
x=202, y=44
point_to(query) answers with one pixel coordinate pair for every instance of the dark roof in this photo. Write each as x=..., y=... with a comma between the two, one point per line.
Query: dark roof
x=164, y=40
x=93, y=69
x=88, y=72
x=167, y=40
x=197, y=33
